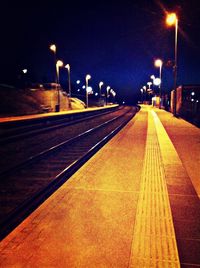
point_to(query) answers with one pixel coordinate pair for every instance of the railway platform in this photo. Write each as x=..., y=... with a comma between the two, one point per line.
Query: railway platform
x=135, y=203
x=6, y=119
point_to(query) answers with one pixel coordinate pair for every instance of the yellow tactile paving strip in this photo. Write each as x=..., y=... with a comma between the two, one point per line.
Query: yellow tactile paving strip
x=154, y=242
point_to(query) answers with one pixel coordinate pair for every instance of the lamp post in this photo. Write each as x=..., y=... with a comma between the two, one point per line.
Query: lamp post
x=86, y=85
x=149, y=84
x=107, y=89
x=59, y=64
x=159, y=63
x=53, y=48
x=69, y=80
x=145, y=90
x=100, y=85
x=173, y=20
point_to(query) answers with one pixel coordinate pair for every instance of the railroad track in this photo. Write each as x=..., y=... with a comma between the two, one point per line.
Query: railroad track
x=13, y=131
x=28, y=184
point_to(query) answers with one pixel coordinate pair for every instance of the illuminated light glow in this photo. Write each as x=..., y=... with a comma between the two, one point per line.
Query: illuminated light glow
x=192, y=100
x=59, y=63
x=123, y=102
x=67, y=66
x=152, y=77
x=53, y=48
x=96, y=94
x=171, y=19
x=193, y=93
x=108, y=87
x=89, y=90
x=78, y=82
x=158, y=63
x=100, y=84
x=197, y=100
x=144, y=87
x=78, y=89
x=113, y=93
x=149, y=84
x=141, y=90
x=88, y=76
x=83, y=87
x=157, y=81
x=24, y=71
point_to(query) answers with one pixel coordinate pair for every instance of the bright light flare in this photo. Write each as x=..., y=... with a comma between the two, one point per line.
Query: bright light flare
x=67, y=66
x=24, y=71
x=59, y=63
x=53, y=48
x=89, y=90
x=100, y=84
x=157, y=81
x=171, y=19
x=158, y=63
x=88, y=76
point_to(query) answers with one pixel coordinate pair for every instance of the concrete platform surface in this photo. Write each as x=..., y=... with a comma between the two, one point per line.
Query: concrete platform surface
x=133, y=204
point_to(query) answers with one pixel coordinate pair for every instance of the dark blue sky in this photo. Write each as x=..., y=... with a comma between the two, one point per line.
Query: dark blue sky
x=114, y=41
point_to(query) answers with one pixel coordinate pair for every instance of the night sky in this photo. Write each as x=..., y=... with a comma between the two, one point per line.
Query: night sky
x=114, y=41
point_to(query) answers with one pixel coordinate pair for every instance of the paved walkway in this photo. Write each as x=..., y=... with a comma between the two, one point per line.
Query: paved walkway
x=133, y=204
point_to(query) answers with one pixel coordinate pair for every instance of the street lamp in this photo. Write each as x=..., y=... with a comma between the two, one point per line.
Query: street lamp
x=141, y=90
x=53, y=48
x=145, y=90
x=107, y=89
x=157, y=81
x=59, y=64
x=172, y=19
x=149, y=84
x=24, y=71
x=159, y=63
x=100, y=85
x=86, y=85
x=69, y=81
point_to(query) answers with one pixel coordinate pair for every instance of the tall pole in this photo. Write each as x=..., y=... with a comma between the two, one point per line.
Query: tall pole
x=100, y=85
x=172, y=19
x=69, y=80
x=86, y=88
x=58, y=90
x=160, y=86
x=159, y=63
x=59, y=63
x=175, y=66
x=107, y=90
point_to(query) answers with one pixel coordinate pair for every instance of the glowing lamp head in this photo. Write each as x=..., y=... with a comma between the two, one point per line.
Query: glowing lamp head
x=108, y=87
x=67, y=66
x=100, y=84
x=171, y=19
x=53, y=48
x=149, y=84
x=88, y=76
x=78, y=82
x=158, y=63
x=59, y=63
x=89, y=90
x=24, y=71
x=157, y=81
